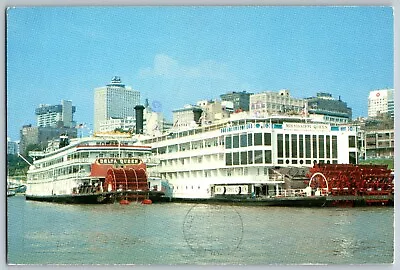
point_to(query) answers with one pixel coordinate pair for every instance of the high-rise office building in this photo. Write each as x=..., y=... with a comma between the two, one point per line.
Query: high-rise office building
x=115, y=100
x=186, y=117
x=12, y=147
x=269, y=102
x=56, y=115
x=40, y=136
x=241, y=100
x=326, y=108
x=381, y=102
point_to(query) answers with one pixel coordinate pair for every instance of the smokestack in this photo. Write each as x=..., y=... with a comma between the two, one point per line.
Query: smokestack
x=64, y=141
x=139, y=119
x=197, y=114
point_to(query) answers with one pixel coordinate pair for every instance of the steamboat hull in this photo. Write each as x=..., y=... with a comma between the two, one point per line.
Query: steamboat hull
x=100, y=198
x=315, y=201
x=300, y=202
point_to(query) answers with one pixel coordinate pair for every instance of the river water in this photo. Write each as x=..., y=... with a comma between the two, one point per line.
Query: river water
x=196, y=234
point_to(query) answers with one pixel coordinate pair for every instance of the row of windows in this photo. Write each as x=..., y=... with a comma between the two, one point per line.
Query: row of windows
x=307, y=161
x=307, y=146
x=248, y=157
x=336, y=119
x=250, y=139
x=83, y=155
x=238, y=171
x=190, y=146
x=60, y=171
x=189, y=160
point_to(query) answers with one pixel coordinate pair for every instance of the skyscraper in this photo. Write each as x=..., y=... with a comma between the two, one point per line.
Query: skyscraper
x=331, y=110
x=241, y=100
x=115, y=100
x=270, y=102
x=56, y=115
x=381, y=102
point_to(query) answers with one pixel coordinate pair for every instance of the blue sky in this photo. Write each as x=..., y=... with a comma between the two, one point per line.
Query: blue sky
x=179, y=55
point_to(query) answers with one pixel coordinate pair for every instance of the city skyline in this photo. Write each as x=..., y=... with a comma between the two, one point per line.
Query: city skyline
x=179, y=55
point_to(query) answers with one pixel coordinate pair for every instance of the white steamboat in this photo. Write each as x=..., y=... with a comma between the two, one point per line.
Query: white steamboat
x=97, y=169
x=244, y=157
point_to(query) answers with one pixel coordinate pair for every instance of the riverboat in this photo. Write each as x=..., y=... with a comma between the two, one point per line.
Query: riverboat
x=103, y=168
x=246, y=158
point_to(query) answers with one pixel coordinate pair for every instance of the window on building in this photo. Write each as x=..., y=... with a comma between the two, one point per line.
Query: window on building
x=308, y=146
x=258, y=139
x=228, y=159
x=294, y=145
x=301, y=147
x=280, y=145
x=334, y=147
x=243, y=158
x=267, y=138
x=250, y=139
x=287, y=145
x=352, y=158
x=236, y=141
x=250, y=157
x=315, y=148
x=328, y=146
x=243, y=140
x=352, y=141
x=228, y=142
x=258, y=157
x=321, y=143
x=268, y=156
x=235, y=158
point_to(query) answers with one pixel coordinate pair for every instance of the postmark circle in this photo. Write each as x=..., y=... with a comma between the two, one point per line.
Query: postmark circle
x=213, y=229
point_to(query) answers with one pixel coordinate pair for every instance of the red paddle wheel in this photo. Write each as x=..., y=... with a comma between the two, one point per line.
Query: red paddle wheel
x=126, y=179
x=348, y=179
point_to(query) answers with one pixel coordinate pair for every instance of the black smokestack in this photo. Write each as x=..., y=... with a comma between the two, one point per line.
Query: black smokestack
x=64, y=141
x=139, y=119
x=197, y=114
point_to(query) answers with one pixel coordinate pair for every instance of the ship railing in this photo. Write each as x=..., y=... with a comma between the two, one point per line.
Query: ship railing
x=151, y=160
x=291, y=193
x=179, y=167
x=195, y=152
x=265, y=178
x=64, y=163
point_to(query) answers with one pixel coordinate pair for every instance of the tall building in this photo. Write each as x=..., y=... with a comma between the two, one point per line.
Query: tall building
x=381, y=102
x=281, y=102
x=56, y=115
x=115, y=100
x=40, y=136
x=126, y=124
x=327, y=109
x=214, y=110
x=12, y=147
x=379, y=143
x=187, y=117
x=153, y=123
x=241, y=100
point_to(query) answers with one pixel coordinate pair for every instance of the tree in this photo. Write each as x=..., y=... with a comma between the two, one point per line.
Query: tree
x=32, y=147
x=16, y=165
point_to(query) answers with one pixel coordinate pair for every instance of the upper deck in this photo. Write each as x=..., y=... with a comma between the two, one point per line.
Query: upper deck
x=86, y=150
x=244, y=123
